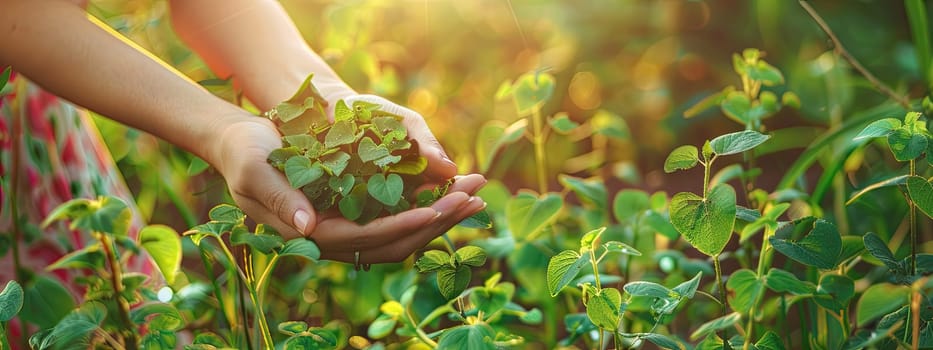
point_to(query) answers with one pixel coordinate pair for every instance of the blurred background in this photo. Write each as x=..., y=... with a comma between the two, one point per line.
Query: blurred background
x=637, y=65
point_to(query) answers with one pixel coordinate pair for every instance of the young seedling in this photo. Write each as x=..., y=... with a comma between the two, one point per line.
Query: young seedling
x=707, y=221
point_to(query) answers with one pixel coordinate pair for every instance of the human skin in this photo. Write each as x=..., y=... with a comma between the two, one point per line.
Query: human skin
x=56, y=45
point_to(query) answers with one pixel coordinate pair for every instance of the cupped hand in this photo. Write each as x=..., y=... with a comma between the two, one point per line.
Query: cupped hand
x=265, y=195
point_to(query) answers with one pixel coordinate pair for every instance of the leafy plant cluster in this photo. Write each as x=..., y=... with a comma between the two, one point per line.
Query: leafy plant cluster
x=363, y=162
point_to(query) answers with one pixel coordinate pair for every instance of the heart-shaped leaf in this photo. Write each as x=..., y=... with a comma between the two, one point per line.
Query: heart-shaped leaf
x=340, y=133
x=489, y=300
x=737, y=142
x=819, y=248
x=335, y=162
x=531, y=90
x=767, y=74
x=369, y=151
x=477, y=336
x=746, y=289
x=494, y=135
x=705, y=223
x=386, y=189
x=905, y=144
x=921, y=193
x=452, y=282
x=681, y=158
x=470, y=255
x=630, y=204
x=164, y=246
x=432, y=260
x=343, y=184
x=528, y=214
x=300, y=171
x=264, y=243
x=603, y=308
x=351, y=205
x=304, y=248
x=563, y=268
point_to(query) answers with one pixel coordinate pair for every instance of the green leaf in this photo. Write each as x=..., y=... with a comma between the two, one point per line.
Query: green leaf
x=301, y=247
x=737, y=142
x=196, y=166
x=563, y=268
x=494, y=135
x=767, y=74
x=661, y=224
x=681, y=158
x=335, y=162
x=11, y=300
x=530, y=91
x=562, y=124
x=629, y=204
x=714, y=325
x=340, y=133
x=736, y=106
x=649, y=289
x=921, y=194
x=819, y=248
x=89, y=257
x=877, y=248
x=470, y=256
x=528, y=214
x=603, y=308
x=342, y=185
x=533, y=316
x=705, y=223
x=468, y=337
x=906, y=145
x=662, y=341
x=226, y=213
x=688, y=289
x=619, y=247
x=770, y=341
x=76, y=326
x=432, y=260
x=164, y=246
x=479, y=220
x=108, y=215
x=409, y=166
x=878, y=128
x=489, y=300
x=879, y=300
x=894, y=181
x=381, y=327
x=746, y=288
x=342, y=112
x=609, y=124
x=386, y=189
x=834, y=292
x=293, y=327
x=452, y=282
x=587, y=240
x=262, y=242
x=351, y=206
x=592, y=192
x=45, y=302
x=300, y=171
x=782, y=281
x=167, y=318
x=369, y=151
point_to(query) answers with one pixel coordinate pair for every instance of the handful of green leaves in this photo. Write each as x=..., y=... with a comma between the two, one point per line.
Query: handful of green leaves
x=363, y=162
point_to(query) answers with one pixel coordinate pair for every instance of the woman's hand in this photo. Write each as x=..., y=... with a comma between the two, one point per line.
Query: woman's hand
x=266, y=196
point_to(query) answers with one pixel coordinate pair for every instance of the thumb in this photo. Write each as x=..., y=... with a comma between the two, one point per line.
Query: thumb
x=274, y=202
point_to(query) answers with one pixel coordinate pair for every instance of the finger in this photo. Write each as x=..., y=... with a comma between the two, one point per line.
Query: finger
x=345, y=236
x=400, y=249
x=468, y=183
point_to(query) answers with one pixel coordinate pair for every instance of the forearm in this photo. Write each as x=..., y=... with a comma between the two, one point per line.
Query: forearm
x=80, y=61
x=255, y=43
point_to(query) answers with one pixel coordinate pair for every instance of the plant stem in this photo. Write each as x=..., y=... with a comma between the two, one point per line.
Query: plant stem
x=720, y=285
x=263, y=279
x=538, y=141
x=421, y=335
x=841, y=50
x=116, y=278
x=913, y=224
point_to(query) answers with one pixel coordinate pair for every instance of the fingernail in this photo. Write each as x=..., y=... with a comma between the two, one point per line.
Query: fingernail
x=446, y=158
x=300, y=220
